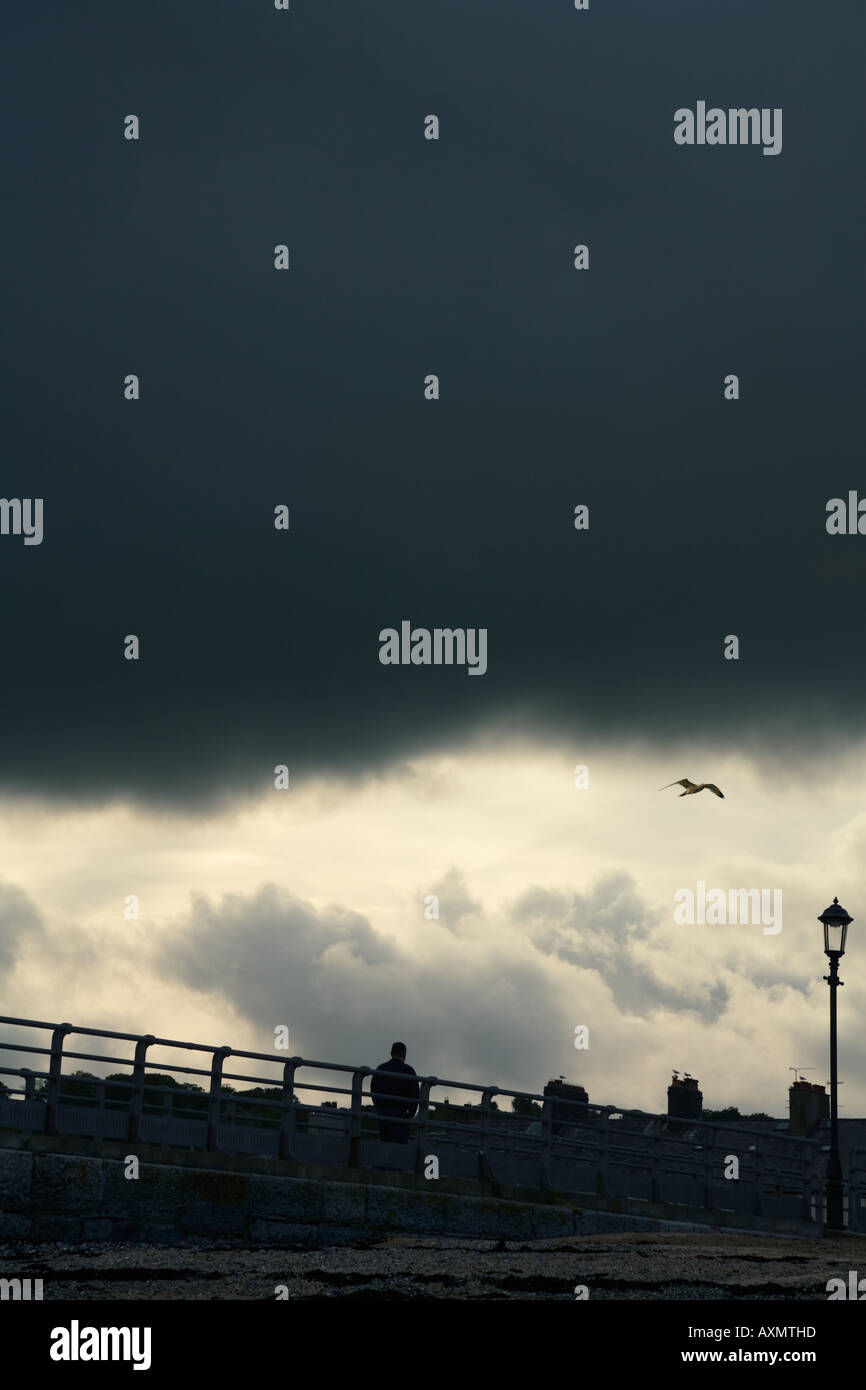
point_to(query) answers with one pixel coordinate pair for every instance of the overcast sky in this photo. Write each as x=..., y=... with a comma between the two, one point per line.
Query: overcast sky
x=260, y=647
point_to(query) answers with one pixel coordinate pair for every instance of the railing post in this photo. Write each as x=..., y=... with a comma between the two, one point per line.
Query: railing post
x=136, y=1100
x=29, y=1083
x=484, y=1127
x=214, y=1098
x=655, y=1158
x=601, y=1181
x=546, y=1141
x=485, y=1171
x=422, y=1119
x=758, y=1203
x=817, y=1183
x=55, y=1071
x=287, y=1119
x=807, y=1172
x=709, y=1156
x=856, y=1190
x=355, y=1115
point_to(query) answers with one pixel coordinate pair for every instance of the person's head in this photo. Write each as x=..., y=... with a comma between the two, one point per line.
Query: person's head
x=399, y=1050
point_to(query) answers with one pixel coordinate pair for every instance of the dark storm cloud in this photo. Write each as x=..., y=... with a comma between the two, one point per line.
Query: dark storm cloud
x=598, y=931
x=305, y=388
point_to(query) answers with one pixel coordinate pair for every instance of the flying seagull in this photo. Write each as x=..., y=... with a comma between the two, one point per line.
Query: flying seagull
x=692, y=787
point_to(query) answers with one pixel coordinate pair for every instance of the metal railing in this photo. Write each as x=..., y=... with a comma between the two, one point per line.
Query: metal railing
x=569, y=1147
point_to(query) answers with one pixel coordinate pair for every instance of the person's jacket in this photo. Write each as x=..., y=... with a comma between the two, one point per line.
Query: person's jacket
x=397, y=1093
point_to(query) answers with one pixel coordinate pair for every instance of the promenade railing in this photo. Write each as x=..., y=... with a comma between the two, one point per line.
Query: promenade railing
x=317, y=1112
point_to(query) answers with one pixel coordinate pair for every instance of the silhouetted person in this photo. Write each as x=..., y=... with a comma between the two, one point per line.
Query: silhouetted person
x=395, y=1096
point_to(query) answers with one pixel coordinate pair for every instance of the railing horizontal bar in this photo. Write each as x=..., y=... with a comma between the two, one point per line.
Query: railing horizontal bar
x=271, y=1057
x=91, y=1032
x=96, y=1057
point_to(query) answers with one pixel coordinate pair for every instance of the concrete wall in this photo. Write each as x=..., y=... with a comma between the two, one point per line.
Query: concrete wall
x=65, y=1197
x=81, y=1194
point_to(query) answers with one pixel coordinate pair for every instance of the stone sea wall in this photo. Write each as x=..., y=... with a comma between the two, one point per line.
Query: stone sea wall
x=63, y=1197
x=73, y=1197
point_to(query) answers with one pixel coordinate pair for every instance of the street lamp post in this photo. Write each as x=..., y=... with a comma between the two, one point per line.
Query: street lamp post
x=835, y=920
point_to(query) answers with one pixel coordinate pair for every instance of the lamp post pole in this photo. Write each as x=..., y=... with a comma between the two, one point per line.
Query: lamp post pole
x=835, y=920
x=834, y=1164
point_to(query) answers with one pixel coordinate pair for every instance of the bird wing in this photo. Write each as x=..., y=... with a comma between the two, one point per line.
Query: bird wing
x=683, y=782
x=711, y=787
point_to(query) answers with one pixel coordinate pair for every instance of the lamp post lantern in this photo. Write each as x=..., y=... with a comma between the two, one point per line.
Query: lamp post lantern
x=835, y=921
